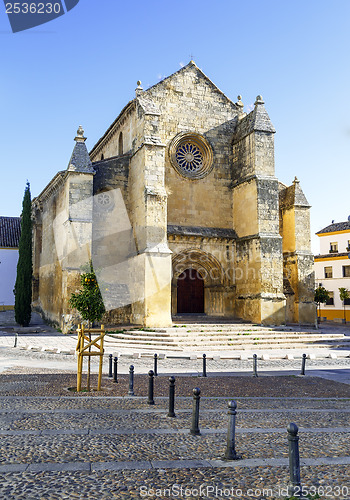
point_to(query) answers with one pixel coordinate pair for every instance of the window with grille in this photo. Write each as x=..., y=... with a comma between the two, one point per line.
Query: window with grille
x=328, y=272
x=346, y=271
x=334, y=248
x=330, y=301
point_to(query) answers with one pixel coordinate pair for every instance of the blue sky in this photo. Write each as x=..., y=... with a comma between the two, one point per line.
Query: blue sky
x=82, y=68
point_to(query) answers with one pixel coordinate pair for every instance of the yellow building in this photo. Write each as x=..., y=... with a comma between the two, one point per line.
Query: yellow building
x=332, y=268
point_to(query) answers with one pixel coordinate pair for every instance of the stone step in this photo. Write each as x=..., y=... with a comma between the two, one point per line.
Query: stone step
x=134, y=331
x=224, y=347
x=265, y=345
x=141, y=336
x=224, y=336
x=210, y=337
x=169, y=333
x=219, y=328
x=268, y=338
x=243, y=338
x=140, y=341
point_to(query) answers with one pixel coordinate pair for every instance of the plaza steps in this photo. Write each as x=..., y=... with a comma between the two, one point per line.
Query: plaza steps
x=223, y=337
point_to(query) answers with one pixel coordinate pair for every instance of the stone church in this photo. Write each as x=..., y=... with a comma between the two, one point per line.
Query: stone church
x=179, y=210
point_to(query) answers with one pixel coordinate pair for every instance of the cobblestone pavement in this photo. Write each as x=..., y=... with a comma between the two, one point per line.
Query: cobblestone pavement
x=60, y=445
x=57, y=444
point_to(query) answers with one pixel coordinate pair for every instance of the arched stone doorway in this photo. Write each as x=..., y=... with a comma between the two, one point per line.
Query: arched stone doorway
x=190, y=292
x=217, y=293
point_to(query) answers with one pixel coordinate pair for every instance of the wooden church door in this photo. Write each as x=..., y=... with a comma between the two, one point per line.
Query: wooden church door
x=190, y=292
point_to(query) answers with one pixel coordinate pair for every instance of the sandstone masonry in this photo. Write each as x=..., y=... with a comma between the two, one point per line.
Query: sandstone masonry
x=179, y=209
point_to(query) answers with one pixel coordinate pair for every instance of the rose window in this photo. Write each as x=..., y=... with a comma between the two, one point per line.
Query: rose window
x=191, y=155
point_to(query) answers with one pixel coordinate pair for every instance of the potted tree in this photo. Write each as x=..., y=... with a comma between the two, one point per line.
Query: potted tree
x=321, y=297
x=344, y=295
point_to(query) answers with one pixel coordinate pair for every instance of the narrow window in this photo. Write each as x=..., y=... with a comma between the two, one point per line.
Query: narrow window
x=330, y=301
x=334, y=248
x=120, y=146
x=346, y=271
x=328, y=272
x=102, y=157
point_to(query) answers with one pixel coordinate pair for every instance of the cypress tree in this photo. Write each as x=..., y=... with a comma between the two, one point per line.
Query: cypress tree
x=23, y=285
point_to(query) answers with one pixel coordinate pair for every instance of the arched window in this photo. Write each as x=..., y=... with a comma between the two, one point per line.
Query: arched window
x=102, y=156
x=120, y=146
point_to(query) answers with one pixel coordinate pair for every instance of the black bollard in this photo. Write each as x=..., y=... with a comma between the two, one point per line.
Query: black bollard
x=171, y=397
x=150, y=387
x=195, y=412
x=230, y=453
x=131, y=381
x=303, y=361
x=294, y=487
x=155, y=365
x=115, y=369
x=255, y=365
x=110, y=374
x=16, y=338
x=204, y=365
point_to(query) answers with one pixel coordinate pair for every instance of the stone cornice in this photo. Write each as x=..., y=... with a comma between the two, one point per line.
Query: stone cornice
x=298, y=253
x=118, y=122
x=199, y=239
x=205, y=234
x=260, y=236
x=253, y=177
x=51, y=188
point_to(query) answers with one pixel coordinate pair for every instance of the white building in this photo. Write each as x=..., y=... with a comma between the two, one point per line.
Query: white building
x=10, y=230
x=332, y=268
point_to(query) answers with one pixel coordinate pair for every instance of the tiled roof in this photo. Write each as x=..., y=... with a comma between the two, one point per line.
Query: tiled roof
x=80, y=159
x=337, y=226
x=10, y=231
x=326, y=256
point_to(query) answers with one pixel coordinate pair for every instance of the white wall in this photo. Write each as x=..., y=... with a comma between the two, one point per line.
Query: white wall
x=333, y=284
x=342, y=239
x=8, y=271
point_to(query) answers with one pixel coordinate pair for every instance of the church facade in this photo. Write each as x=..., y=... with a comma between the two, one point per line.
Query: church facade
x=180, y=211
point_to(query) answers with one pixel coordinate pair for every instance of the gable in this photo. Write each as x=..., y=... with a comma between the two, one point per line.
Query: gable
x=175, y=97
x=189, y=79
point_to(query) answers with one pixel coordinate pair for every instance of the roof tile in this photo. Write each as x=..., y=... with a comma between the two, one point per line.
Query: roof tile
x=337, y=226
x=10, y=231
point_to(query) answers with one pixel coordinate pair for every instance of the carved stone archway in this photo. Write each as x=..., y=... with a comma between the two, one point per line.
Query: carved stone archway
x=198, y=271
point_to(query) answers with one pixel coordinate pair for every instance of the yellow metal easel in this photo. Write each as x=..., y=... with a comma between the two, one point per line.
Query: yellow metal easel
x=86, y=350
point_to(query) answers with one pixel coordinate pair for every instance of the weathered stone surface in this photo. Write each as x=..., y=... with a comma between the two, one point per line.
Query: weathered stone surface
x=145, y=223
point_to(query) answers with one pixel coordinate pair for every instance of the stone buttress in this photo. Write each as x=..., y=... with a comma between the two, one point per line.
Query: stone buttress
x=259, y=263
x=297, y=256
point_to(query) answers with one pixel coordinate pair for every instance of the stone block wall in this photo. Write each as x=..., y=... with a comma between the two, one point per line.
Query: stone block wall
x=143, y=221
